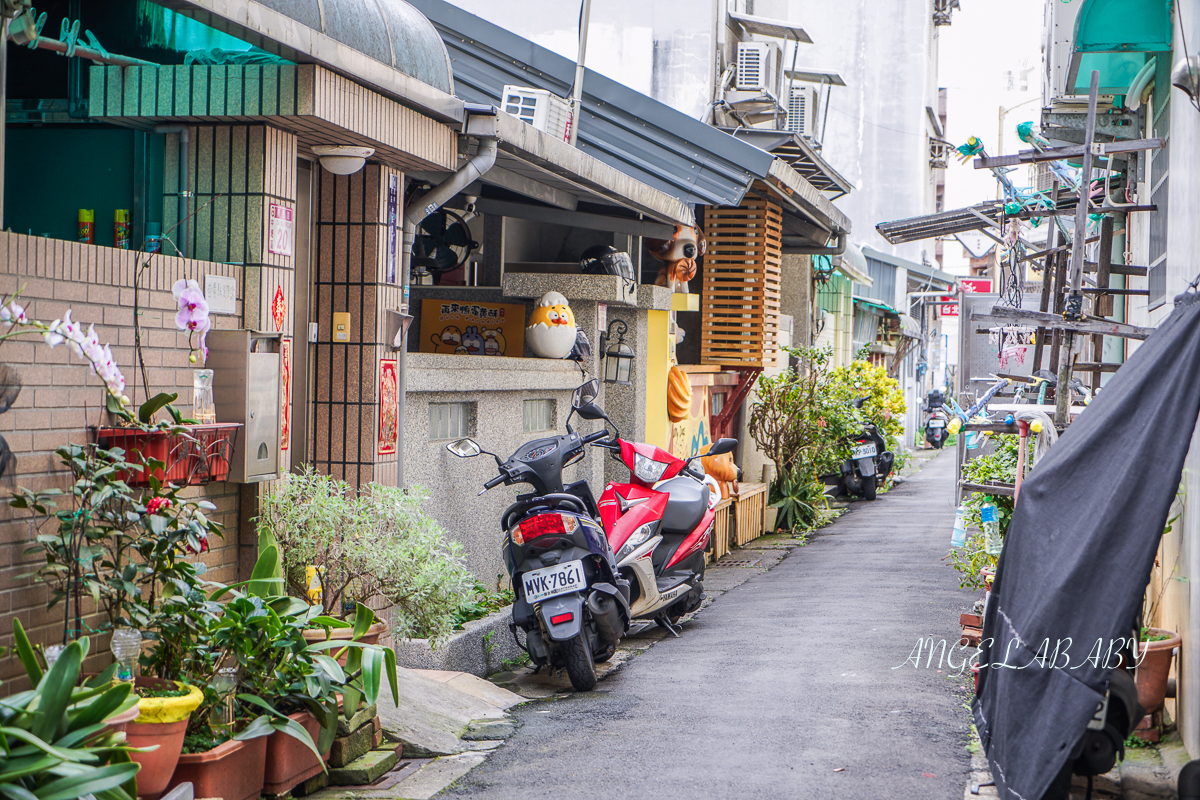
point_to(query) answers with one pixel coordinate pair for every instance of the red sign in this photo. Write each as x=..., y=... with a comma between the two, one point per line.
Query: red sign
x=279, y=308
x=285, y=359
x=389, y=395
x=975, y=285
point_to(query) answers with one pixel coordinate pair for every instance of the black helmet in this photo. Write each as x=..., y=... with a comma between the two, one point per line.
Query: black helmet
x=604, y=259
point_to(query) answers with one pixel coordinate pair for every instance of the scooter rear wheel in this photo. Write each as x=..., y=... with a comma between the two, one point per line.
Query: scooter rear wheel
x=870, y=486
x=580, y=668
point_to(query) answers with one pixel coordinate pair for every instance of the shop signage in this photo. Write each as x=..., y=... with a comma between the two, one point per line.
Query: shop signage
x=221, y=294
x=477, y=329
x=978, y=285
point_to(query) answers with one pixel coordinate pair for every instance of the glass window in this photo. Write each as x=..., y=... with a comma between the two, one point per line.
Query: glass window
x=451, y=420
x=537, y=415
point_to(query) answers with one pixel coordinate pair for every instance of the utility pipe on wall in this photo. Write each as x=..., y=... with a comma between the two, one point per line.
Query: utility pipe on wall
x=185, y=196
x=483, y=160
x=585, y=15
x=797, y=245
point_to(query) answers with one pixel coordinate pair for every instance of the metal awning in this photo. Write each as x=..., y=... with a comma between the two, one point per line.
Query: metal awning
x=814, y=76
x=948, y=223
x=387, y=46
x=765, y=26
x=635, y=134
x=1117, y=38
x=853, y=264
x=876, y=304
x=909, y=327
x=799, y=154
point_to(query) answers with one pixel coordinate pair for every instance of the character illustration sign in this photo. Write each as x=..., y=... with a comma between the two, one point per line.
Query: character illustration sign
x=389, y=397
x=285, y=360
x=473, y=329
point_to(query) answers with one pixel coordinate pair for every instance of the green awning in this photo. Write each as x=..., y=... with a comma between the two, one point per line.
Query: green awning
x=875, y=304
x=1117, y=38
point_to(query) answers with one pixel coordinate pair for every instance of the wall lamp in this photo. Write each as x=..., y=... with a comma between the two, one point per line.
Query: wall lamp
x=342, y=159
x=618, y=356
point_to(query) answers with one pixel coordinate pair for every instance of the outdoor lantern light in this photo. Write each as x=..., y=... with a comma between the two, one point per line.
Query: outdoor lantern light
x=822, y=268
x=342, y=159
x=618, y=356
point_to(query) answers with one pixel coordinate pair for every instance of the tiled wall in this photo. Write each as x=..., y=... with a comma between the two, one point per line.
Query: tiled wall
x=350, y=275
x=60, y=397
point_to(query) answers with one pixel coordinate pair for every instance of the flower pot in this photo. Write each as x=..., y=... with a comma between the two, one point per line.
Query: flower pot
x=1151, y=674
x=120, y=722
x=232, y=770
x=372, y=636
x=771, y=517
x=161, y=723
x=200, y=456
x=289, y=761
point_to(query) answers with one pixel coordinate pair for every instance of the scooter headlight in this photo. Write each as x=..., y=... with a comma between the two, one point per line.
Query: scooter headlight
x=647, y=469
x=636, y=539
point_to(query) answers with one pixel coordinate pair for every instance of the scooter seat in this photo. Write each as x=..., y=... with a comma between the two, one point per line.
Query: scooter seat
x=687, y=506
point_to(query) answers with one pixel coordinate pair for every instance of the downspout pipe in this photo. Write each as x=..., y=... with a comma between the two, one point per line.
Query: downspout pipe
x=482, y=126
x=185, y=196
x=798, y=245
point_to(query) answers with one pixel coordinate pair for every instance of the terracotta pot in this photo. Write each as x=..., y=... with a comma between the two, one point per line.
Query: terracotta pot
x=372, y=636
x=233, y=770
x=158, y=765
x=162, y=723
x=1151, y=674
x=289, y=761
x=120, y=722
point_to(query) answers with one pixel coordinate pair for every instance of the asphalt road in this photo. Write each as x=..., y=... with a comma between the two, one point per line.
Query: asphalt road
x=785, y=687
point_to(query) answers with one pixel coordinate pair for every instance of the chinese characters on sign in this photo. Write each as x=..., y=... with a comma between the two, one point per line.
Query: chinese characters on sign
x=278, y=308
x=280, y=239
x=475, y=329
x=389, y=395
x=392, y=204
x=221, y=294
x=285, y=360
x=976, y=285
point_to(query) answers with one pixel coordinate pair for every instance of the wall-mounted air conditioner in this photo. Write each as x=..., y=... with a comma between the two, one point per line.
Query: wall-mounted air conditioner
x=802, y=110
x=757, y=67
x=543, y=110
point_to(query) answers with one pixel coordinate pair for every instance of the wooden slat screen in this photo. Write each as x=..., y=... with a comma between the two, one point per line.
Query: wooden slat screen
x=739, y=308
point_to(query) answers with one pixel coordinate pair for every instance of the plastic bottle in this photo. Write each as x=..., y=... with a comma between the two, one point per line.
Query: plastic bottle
x=126, y=646
x=959, y=537
x=993, y=544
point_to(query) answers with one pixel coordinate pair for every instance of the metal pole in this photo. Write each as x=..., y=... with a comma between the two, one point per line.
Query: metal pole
x=1075, y=299
x=585, y=13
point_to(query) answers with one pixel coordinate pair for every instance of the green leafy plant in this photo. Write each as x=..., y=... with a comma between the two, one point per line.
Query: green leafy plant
x=482, y=602
x=376, y=545
x=122, y=547
x=999, y=466
x=53, y=741
x=885, y=405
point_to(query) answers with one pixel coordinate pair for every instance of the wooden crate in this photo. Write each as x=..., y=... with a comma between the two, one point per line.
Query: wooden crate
x=739, y=307
x=749, y=512
x=721, y=528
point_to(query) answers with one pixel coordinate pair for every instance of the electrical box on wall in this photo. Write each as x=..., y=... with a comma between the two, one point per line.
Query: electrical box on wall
x=246, y=389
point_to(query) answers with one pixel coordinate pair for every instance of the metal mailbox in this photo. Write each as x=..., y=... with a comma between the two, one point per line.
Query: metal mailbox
x=246, y=389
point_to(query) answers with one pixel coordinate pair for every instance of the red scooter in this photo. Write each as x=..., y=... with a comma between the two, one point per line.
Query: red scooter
x=659, y=526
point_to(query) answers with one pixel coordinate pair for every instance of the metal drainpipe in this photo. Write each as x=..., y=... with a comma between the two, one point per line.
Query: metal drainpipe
x=808, y=250
x=184, y=195
x=431, y=201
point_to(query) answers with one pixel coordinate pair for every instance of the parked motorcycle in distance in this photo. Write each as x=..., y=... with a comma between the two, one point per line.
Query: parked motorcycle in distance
x=659, y=525
x=869, y=463
x=936, y=422
x=571, y=602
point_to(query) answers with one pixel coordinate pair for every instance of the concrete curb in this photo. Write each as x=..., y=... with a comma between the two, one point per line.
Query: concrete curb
x=480, y=648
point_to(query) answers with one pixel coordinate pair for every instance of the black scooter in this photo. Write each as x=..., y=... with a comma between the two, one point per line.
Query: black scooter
x=571, y=601
x=869, y=463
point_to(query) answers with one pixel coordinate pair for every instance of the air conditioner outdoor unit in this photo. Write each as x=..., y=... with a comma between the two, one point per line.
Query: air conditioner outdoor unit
x=802, y=110
x=757, y=66
x=543, y=110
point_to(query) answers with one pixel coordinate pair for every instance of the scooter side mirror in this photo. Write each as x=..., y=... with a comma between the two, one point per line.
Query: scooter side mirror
x=585, y=395
x=722, y=446
x=590, y=410
x=464, y=448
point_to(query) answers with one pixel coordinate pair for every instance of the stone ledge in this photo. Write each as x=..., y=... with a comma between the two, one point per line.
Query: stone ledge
x=470, y=650
x=434, y=372
x=596, y=288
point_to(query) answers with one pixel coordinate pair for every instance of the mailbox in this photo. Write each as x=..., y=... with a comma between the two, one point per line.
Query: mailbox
x=246, y=389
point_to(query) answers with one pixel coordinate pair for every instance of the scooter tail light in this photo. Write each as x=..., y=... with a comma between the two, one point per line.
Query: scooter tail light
x=559, y=619
x=543, y=525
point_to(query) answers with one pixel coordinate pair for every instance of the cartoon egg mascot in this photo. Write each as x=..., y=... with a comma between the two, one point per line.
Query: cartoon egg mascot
x=551, y=330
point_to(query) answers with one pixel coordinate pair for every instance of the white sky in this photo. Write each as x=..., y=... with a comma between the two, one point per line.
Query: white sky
x=985, y=40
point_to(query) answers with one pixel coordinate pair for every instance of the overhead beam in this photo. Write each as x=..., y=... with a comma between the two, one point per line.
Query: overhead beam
x=1000, y=315
x=578, y=219
x=1060, y=153
x=536, y=190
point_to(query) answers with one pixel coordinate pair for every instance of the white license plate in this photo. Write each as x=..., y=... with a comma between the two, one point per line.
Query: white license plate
x=864, y=451
x=936, y=423
x=553, y=581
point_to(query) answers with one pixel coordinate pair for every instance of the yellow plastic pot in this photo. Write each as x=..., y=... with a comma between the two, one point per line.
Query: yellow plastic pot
x=169, y=709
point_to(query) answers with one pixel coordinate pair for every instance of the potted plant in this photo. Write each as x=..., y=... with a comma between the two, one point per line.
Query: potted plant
x=1157, y=650
x=49, y=752
x=376, y=546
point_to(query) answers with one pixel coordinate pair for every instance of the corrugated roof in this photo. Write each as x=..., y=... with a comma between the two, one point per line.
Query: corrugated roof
x=638, y=135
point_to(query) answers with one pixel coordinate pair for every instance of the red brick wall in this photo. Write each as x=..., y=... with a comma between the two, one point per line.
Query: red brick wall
x=60, y=398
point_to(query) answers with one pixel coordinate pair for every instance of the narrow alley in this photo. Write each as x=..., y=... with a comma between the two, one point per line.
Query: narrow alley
x=793, y=684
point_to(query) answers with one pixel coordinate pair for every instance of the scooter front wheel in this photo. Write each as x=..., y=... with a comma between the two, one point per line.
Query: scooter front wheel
x=580, y=668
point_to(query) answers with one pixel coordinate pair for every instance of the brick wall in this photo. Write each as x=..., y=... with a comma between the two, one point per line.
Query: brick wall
x=60, y=398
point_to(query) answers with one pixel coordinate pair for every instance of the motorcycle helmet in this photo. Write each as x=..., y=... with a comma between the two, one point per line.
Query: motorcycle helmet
x=604, y=259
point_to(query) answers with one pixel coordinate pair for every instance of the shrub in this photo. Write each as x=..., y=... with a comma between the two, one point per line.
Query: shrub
x=377, y=544
x=998, y=466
